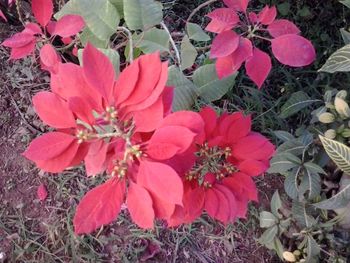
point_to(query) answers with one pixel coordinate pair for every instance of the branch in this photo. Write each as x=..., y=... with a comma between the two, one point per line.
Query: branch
x=131, y=46
x=199, y=8
x=172, y=43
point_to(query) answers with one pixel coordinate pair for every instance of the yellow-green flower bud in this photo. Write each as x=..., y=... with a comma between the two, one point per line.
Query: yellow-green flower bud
x=326, y=117
x=342, y=107
x=297, y=253
x=330, y=134
x=346, y=133
x=289, y=256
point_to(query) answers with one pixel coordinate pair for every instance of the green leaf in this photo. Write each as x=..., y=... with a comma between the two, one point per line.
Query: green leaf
x=341, y=199
x=295, y=147
x=338, y=61
x=153, y=40
x=314, y=168
x=268, y=236
x=284, y=8
x=100, y=16
x=345, y=35
x=195, y=32
x=267, y=219
x=298, y=101
x=188, y=53
x=291, y=184
x=119, y=5
x=185, y=91
x=283, y=135
x=210, y=87
x=87, y=36
x=283, y=162
x=300, y=214
x=345, y=2
x=310, y=183
x=142, y=14
x=339, y=153
x=276, y=204
x=313, y=249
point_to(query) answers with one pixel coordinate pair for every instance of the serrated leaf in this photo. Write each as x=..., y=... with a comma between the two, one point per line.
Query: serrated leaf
x=283, y=135
x=87, y=36
x=298, y=101
x=267, y=219
x=291, y=184
x=100, y=16
x=185, y=91
x=345, y=35
x=153, y=40
x=276, y=204
x=314, y=168
x=283, y=162
x=339, y=153
x=313, y=250
x=339, y=61
x=142, y=14
x=188, y=53
x=195, y=32
x=310, y=183
x=210, y=87
x=301, y=214
x=295, y=147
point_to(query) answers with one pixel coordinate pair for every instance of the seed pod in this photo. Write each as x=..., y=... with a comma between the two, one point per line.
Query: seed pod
x=326, y=117
x=330, y=134
x=342, y=107
x=342, y=94
x=297, y=253
x=289, y=256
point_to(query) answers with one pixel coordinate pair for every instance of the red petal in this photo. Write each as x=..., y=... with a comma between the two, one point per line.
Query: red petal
x=224, y=44
x=238, y=128
x=187, y=119
x=242, y=185
x=99, y=72
x=18, y=40
x=252, y=167
x=42, y=192
x=60, y=162
x=100, y=206
x=161, y=180
x=42, y=10
x=53, y=110
x=162, y=208
x=194, y=203
x=95, y=158
x=255, y=147
x=139, y=204
x=281, y=27
x=230, y=64
x=258, y=67
x=32, y=28
x=209, y=116
x=232, y=202
x=68, y=25
x=168, y=141
x=211, y=202
x=239, y=5
x=81, y=109
x=267, y=15
x=21, y=52
x=151, y=70
x=293, y=50
x=223, y=19
x=48, y=146
x=49, y=58
x=224, y=210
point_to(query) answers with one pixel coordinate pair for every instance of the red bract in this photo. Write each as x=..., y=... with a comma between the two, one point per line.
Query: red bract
x=42, y=192
x=121, y=126
x=219, y=179
x=232, y=50
x=23, y=44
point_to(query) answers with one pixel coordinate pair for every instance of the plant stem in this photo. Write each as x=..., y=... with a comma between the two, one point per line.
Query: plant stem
x=131, y=46
x=172, y=43
x=199, y=8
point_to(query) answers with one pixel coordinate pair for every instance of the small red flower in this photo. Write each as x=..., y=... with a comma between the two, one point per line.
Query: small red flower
x=219, y=178
x=232, y=50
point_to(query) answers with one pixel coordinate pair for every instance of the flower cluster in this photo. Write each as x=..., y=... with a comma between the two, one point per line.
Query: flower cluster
x=233, y=48
x=23, y=43
x=164, y=165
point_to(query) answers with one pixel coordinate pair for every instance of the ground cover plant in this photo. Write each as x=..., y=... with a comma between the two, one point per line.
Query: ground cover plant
x=132, y=133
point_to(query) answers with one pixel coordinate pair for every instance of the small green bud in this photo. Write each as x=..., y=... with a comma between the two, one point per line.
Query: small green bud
x=342, y=94
x=297, y=253
x=342, y=107
x=289, y=256
x=326, y=117
x=330, y=134
x=346, y=133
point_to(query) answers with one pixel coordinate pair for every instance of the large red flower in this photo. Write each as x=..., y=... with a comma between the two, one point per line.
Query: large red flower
x=218, y=178
x=122, y=126
x=232, y=49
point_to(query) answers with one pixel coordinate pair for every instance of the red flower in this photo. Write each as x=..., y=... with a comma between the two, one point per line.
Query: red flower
x=118, y=126
x=219, y=180
x=232, y=50
x=23, y=44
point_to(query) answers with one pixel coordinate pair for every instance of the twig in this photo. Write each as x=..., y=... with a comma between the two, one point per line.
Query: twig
x=198, y=8
x=172, y=43
x=34, y=130
x=18, y=9
x=131, y=47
